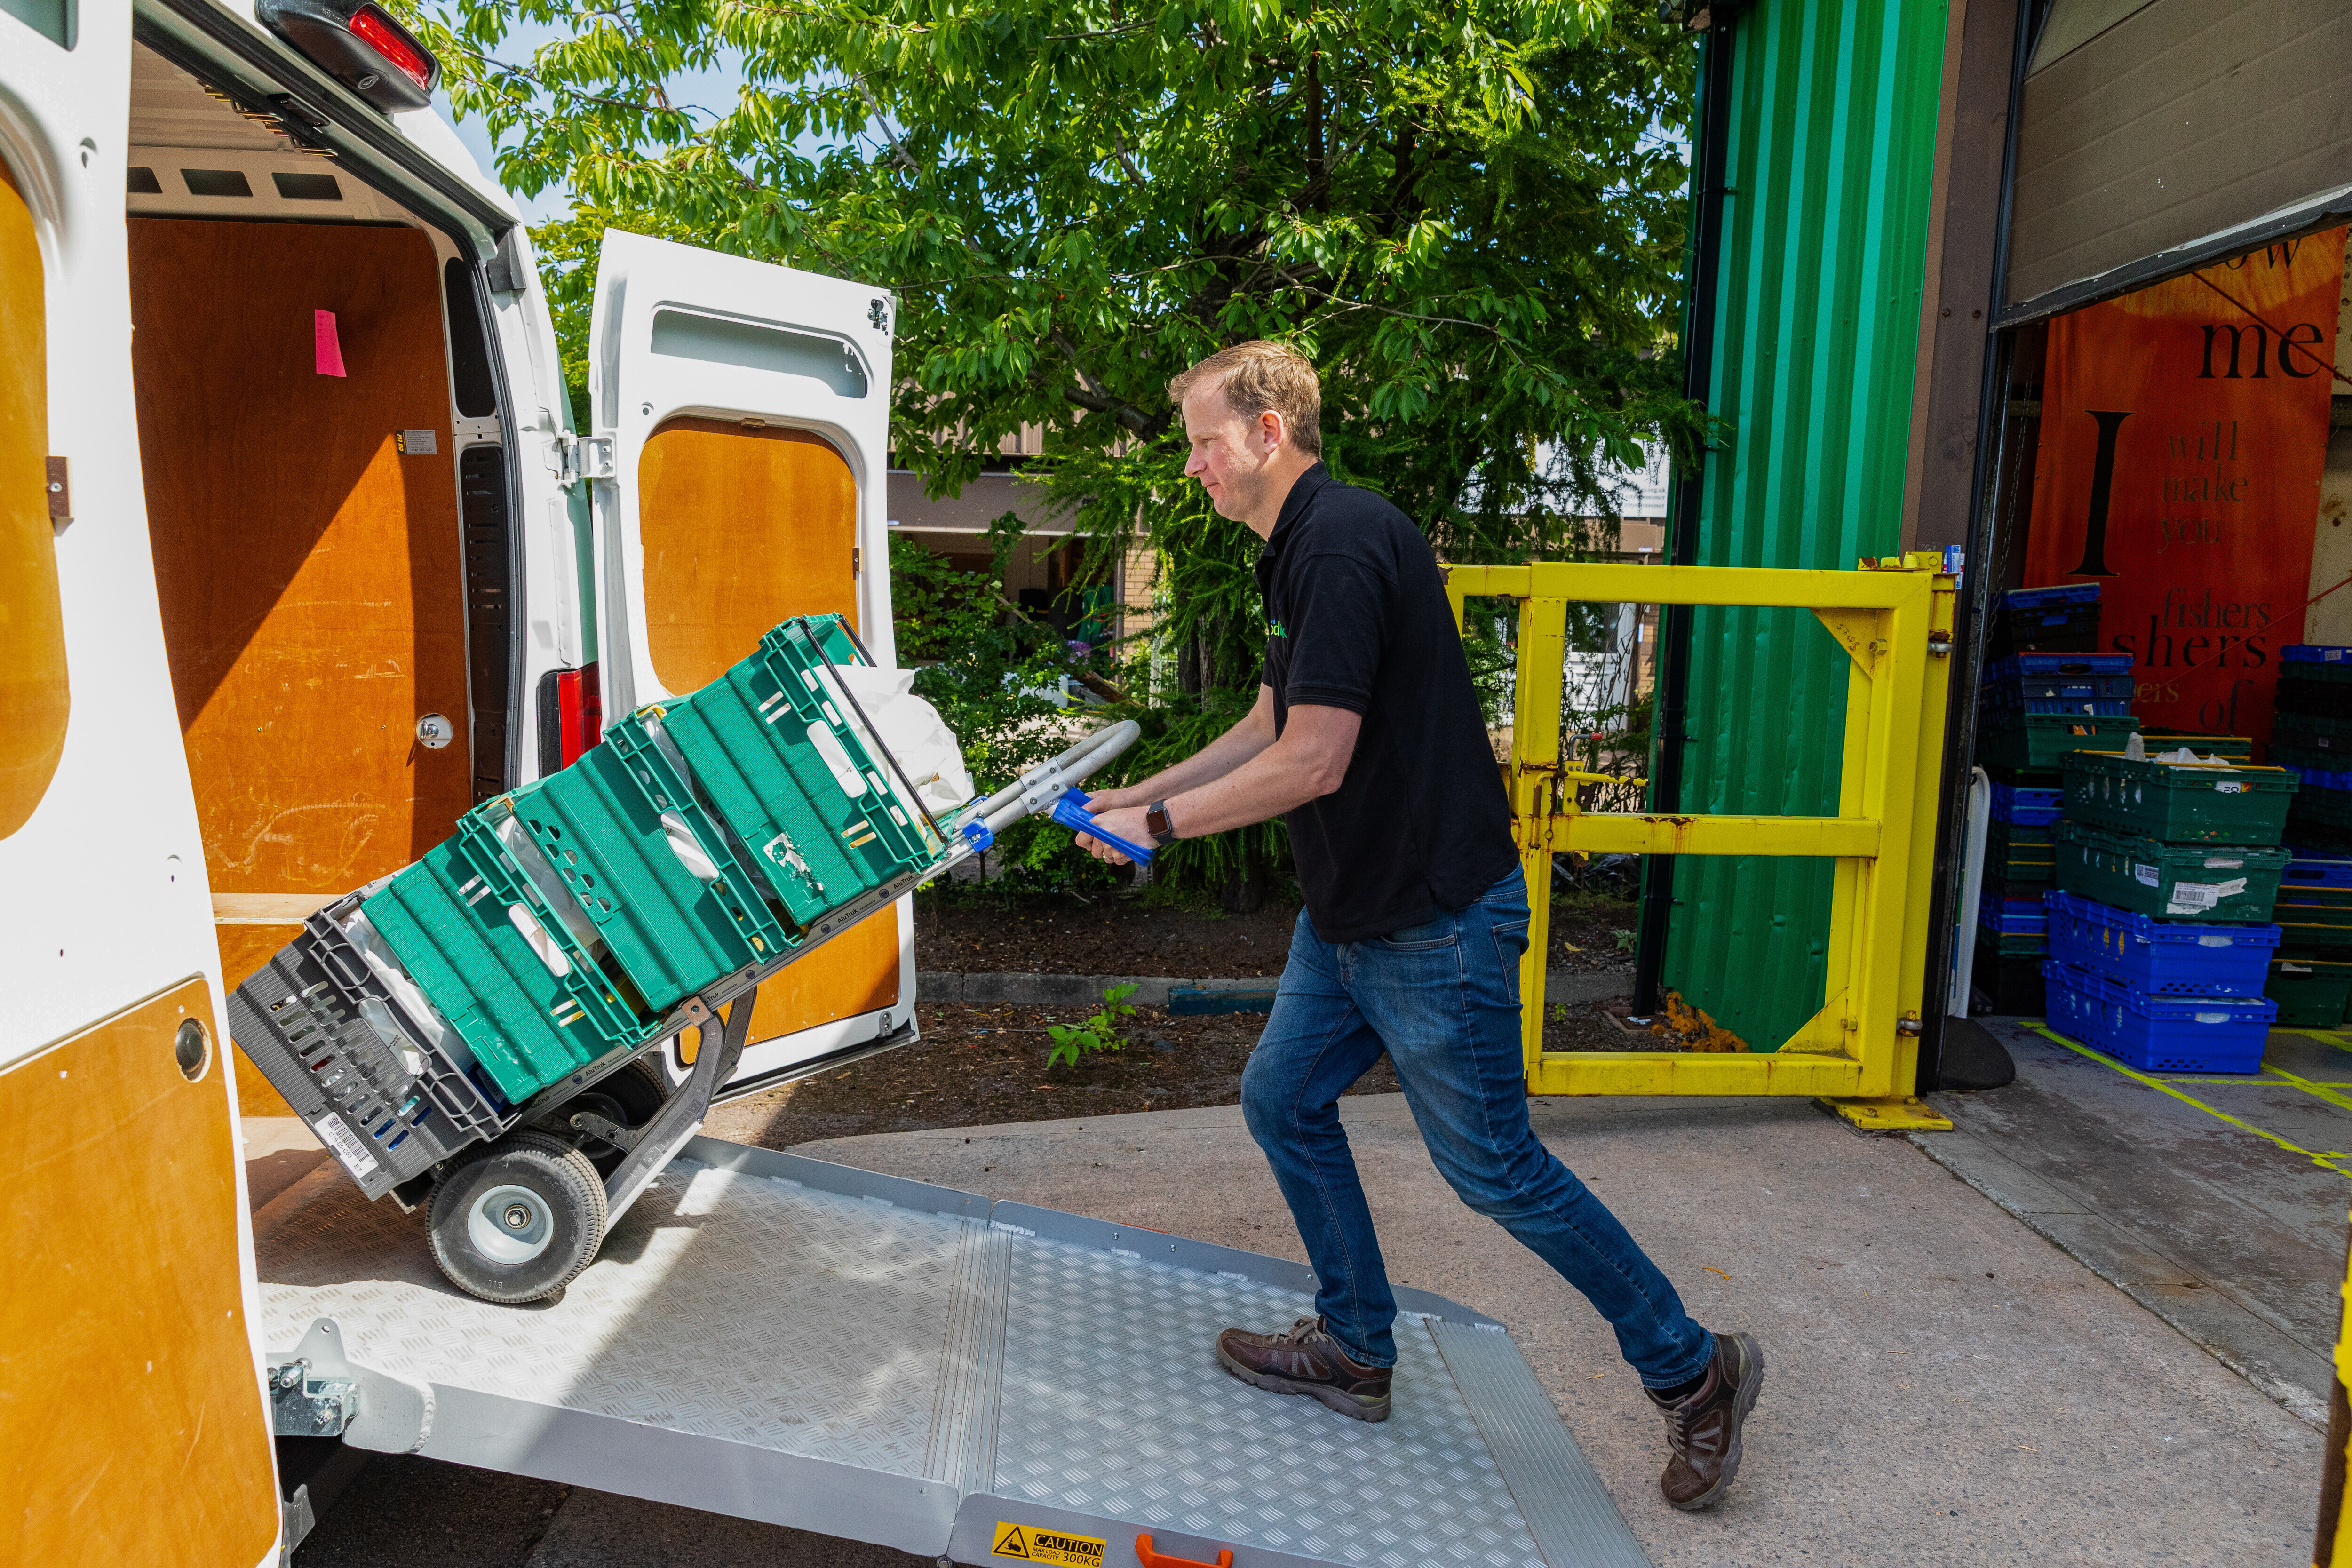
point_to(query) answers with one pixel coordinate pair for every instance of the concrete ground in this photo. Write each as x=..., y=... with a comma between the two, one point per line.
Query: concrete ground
x=1946, y=1386
x=2215, y=1201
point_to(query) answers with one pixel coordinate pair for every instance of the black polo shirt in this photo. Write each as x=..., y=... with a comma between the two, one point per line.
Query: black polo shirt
x=1358, y=619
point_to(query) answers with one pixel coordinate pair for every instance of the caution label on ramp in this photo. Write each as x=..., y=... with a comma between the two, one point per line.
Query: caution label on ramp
x=1027, y=1543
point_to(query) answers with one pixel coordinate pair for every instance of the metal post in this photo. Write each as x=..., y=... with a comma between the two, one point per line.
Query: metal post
x=1672, y=677
x=1534, y=777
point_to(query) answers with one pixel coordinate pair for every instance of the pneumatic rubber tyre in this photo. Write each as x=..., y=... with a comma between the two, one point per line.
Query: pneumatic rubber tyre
x=517, y=1220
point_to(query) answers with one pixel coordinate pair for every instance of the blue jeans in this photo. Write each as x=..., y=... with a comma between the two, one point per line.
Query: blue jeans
x=1443, y=999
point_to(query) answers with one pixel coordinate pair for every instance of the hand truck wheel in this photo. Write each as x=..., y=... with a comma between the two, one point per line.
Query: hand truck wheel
x=516, y=1220
x=628, y=1097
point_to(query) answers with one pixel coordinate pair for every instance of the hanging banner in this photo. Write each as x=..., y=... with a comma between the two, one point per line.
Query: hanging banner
x=2184, y=430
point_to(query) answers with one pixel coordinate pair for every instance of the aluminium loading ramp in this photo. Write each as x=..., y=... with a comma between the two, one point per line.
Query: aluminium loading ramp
x=784, y=1340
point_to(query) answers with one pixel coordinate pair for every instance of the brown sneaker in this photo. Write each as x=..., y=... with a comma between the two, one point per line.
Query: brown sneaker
x=1704, y=1429
x=1307, y=1361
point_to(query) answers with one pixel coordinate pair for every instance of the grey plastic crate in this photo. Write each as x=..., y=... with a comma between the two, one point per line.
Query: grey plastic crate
x=355, y=1063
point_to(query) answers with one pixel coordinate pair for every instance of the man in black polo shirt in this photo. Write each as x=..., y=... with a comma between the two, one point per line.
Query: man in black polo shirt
x=1368, y=732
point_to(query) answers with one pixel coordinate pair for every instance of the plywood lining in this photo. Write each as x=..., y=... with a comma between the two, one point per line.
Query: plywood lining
x=308, y=572
x=742, y=528
x=133, y=1425
x=33, y=697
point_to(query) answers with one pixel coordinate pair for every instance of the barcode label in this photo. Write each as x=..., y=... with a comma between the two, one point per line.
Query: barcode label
x=2146, y=874
x=344, y=1144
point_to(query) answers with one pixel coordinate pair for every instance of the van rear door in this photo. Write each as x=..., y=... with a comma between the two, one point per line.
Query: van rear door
x=740, y=456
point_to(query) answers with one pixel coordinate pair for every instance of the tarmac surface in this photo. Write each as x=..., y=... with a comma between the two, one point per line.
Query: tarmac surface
x=1945, y=1386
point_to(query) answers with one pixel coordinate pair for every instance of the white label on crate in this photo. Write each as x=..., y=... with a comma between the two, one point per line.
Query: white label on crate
x=2208, y=939
x=2225, y=866
x=2188, y=897
x=2146, y=874
x=2286, y=968
x=345, y=1145
x=2212, y=1017
x=2229, y=786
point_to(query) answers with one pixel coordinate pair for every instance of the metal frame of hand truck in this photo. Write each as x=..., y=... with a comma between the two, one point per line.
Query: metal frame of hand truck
x=1893, y=617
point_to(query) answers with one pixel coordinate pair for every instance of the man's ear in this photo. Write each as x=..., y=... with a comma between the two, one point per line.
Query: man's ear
x=1269, y=427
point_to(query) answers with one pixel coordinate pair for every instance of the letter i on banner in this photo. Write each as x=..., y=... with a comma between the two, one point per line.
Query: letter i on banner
x=2184, y=432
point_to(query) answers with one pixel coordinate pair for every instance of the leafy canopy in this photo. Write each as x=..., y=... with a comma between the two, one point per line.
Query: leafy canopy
x=1469, y=214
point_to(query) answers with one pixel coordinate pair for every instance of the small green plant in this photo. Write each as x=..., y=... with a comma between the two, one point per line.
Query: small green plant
x=1626, y=940
x=1099, y=1033
x=1559, y=1012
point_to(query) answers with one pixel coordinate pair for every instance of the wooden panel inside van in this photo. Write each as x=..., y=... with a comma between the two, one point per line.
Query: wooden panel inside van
x=133, y=1423
x=742, y=528
x=32, y=700
x=310, y=572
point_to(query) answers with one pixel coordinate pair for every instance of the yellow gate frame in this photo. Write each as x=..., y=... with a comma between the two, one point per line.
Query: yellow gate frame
x=1894, y=617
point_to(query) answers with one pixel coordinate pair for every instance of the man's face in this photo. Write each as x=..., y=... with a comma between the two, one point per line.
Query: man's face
x=1231, y=454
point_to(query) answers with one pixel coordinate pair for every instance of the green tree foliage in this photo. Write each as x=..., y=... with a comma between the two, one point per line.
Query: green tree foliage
x=1468, y=214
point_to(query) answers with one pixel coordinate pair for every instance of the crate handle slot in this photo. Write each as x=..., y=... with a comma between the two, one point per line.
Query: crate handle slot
x=836, y=757
x=523, y=920
x=688, y=849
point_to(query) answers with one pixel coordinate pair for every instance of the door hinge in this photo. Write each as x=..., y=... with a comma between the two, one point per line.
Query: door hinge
x=857, y=559
x=303, y=1403
x=60, y=493
x=578, y=457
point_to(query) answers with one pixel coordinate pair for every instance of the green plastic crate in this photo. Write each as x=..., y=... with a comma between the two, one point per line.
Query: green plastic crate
x=2307, y=936
x=2327, y=808
x=448, y=918
x=2311, y=992
x=2325, y=898
x=2232, y=883
x=2040, y=741
x=820, y=815
x=2179, y=803
x=606, y=825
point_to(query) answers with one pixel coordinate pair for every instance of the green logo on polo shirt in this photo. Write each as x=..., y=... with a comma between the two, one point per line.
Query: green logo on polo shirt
x=1276, y=627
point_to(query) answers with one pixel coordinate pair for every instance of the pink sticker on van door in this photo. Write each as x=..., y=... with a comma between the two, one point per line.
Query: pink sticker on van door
x=330, y=351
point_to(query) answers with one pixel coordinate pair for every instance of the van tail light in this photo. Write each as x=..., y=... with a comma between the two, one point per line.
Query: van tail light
x=571, y=717
x=390, y=39
x=358, y=44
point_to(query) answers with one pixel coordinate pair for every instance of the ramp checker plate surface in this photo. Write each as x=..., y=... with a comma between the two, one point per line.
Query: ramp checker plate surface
x=793, y=1306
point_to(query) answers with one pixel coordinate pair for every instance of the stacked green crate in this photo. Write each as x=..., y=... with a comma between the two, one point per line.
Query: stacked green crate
x=2312, y=737
x=565, y=920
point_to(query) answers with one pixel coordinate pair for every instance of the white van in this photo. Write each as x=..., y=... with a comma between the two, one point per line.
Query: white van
x=301, y=557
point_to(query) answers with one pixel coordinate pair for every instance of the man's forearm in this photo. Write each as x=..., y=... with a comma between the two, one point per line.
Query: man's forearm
x=1273, y=782
x=1234, y=749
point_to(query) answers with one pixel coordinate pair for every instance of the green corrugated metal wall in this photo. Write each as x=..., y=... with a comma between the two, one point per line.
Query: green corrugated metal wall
x=1830, y=160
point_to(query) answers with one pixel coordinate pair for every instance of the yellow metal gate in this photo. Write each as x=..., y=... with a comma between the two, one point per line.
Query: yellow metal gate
x=1894, y=617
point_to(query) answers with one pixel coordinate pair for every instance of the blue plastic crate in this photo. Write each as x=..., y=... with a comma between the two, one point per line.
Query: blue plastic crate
x=2058, y=666
x=2163, y=957
x=2322, y=778
x=2317, y=869
x=2023, y=807
x=2314, y=653
x=2013, y=916
x=2158, y=1034
x=2063, y=593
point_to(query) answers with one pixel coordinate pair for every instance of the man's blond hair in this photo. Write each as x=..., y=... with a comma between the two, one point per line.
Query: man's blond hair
x=1257, y=377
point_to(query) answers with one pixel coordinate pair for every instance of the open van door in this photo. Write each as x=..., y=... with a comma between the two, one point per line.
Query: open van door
x=739, y=451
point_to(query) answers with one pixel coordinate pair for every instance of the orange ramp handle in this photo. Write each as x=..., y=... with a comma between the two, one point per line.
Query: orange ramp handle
x=1150, y=1559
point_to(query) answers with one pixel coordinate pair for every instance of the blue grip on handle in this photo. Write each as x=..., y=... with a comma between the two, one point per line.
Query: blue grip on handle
x=1070, y=810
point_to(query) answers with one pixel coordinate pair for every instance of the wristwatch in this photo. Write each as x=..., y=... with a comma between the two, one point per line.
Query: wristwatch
x=1155, y=820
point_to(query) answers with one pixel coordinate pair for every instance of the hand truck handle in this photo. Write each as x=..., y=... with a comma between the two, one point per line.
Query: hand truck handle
x=1070, y=810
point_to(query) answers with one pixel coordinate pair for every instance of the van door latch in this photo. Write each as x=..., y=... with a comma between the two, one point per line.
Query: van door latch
x=304, y=1403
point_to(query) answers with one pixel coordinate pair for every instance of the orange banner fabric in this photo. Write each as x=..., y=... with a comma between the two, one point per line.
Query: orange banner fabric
x=2184, y=431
